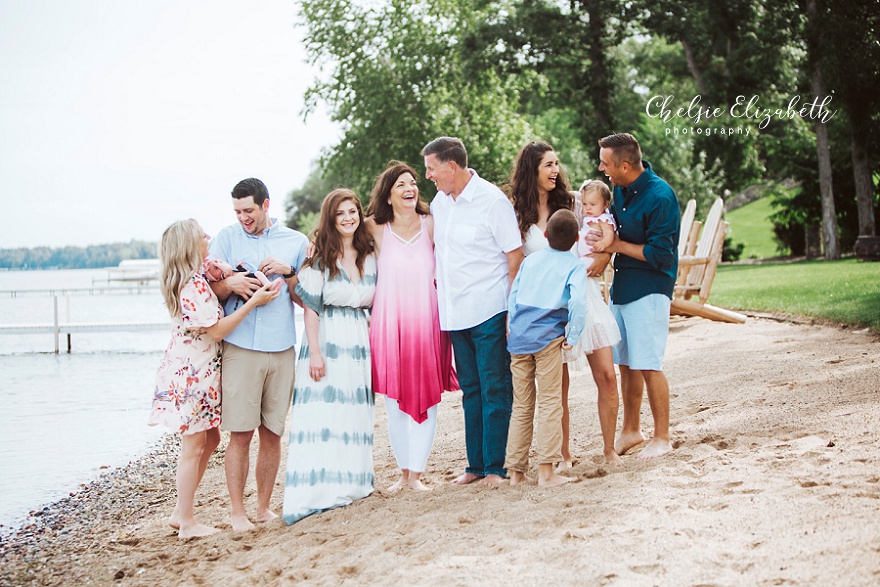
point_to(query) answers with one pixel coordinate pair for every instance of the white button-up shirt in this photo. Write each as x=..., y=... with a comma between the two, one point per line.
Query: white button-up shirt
x=472, y=235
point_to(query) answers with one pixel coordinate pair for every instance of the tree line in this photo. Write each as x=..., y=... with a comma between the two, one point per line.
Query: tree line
x=796, y=81
x=90, y=257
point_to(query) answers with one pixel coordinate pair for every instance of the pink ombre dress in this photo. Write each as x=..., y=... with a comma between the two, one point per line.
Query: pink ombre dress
x=412, y=358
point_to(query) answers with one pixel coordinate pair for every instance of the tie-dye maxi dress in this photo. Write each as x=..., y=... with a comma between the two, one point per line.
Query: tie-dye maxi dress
x=330, y=458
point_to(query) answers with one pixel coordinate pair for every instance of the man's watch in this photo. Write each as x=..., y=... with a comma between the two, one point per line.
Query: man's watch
x=291, y=274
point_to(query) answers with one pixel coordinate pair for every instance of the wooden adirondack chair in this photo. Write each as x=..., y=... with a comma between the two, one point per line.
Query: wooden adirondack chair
x=697, y=266
x=687, y=224
x=687, y=240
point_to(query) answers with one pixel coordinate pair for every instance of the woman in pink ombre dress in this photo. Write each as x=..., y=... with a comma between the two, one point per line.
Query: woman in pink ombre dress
x=411, y=357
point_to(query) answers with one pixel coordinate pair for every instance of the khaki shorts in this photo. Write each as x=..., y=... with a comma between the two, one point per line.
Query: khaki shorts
x=256, y=388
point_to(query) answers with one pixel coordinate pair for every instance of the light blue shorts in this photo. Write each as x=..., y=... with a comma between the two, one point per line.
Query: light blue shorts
x=644, y=328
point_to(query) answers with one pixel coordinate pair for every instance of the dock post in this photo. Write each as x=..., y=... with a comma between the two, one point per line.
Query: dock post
x=68, y=321
x=55, y=328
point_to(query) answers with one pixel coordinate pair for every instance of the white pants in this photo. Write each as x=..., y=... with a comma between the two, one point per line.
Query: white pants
x=410, y=441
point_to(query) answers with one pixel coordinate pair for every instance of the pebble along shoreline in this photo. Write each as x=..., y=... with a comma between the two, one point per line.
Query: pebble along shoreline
x=55, y=544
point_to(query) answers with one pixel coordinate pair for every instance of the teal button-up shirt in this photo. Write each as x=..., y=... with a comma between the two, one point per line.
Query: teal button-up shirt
x=647, y=213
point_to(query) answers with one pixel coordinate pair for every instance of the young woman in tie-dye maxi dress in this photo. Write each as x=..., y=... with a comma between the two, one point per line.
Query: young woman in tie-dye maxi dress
x=330, y=457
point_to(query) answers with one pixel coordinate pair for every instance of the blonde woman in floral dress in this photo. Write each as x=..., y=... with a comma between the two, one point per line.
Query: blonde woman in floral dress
x=187, y=393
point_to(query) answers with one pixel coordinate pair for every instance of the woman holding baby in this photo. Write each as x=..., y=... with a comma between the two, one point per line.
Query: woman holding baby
x=538, y=187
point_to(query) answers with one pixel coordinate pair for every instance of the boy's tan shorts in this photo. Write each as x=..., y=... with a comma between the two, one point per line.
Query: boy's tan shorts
x=256, y=388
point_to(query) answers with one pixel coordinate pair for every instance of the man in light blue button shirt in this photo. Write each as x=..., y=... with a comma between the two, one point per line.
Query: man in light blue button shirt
x=258, y=356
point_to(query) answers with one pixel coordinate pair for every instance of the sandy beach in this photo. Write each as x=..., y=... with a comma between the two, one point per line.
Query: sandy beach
x=774, y=480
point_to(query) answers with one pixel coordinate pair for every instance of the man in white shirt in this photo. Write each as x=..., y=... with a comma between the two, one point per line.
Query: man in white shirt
x=479, y=250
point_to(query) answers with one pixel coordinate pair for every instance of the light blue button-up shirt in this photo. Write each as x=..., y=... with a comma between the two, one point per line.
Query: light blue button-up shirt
x=268, y=328
x=549, y=292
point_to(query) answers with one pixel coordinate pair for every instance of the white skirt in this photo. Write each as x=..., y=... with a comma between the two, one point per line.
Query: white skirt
x=600, y=329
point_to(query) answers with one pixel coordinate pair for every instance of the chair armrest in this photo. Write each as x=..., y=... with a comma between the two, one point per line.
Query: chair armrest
x=688, y=260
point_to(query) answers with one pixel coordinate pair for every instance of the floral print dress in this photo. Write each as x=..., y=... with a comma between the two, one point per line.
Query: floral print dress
x=187, y=393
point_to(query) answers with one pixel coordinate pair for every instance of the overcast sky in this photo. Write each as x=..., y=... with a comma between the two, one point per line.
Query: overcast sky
x=117, y=118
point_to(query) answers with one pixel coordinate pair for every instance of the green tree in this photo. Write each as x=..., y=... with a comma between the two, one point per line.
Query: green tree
x=393, y=78
x=303, y=204
x=849, y=57
x=562, y=54
x=738, y=48
x=397, y=73
x=90, y=257
x=823, y=148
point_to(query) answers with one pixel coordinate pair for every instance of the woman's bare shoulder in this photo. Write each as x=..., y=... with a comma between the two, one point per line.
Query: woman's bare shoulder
x=429, y=224
x=372, y=225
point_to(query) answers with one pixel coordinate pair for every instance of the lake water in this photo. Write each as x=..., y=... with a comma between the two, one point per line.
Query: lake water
x=65, y=417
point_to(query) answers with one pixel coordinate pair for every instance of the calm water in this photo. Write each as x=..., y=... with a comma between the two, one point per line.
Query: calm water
x=67, y=416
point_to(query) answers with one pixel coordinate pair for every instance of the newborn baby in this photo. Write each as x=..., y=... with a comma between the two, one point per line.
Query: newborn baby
x=217, y=270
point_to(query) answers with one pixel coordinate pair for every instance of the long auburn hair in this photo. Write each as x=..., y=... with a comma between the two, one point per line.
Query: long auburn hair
x=328, y=241
x=379, y=207
x=522, y=187
x=180, y=253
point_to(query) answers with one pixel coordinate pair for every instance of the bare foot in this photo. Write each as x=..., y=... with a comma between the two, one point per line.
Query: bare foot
x=241, y=524
x=516, y=478
x=266, y=516
x=656, y=448
x=466, y=478
x=564, y=466
x=554, y=480
x=625, y=442
x=174, y=520
x=196, y=530
x=492, y=480
x=611, y=458
x=401, y=483
x=417, y=485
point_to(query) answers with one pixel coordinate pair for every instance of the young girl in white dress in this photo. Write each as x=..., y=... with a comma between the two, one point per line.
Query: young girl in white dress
x=187, y=393
x=600, y=331
x=595, y=200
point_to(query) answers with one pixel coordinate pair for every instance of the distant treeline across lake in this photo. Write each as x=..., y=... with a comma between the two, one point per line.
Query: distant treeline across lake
x=90, y=257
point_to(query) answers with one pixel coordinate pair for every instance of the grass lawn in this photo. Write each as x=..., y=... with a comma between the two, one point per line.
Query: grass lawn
x=846, y=292
x=750, y=225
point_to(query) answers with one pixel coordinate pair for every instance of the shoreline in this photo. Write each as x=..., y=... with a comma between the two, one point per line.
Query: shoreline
x=774, y=477
x=162, y=452
x=56, y=531
x=154, y=449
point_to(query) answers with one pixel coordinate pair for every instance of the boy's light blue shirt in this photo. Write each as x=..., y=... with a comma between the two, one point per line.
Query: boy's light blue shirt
x=549, y=292
x=269, y=328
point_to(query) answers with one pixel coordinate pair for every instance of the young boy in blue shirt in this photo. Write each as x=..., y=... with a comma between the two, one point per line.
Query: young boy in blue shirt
x=549, y=292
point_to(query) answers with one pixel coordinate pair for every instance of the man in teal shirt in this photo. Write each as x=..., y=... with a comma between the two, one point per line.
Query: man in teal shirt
x=648, y=223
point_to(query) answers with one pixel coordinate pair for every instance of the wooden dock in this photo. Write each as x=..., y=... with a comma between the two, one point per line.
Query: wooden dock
x=60, y=328
x=57, y=328
x=94, y=290
x=81, y=327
